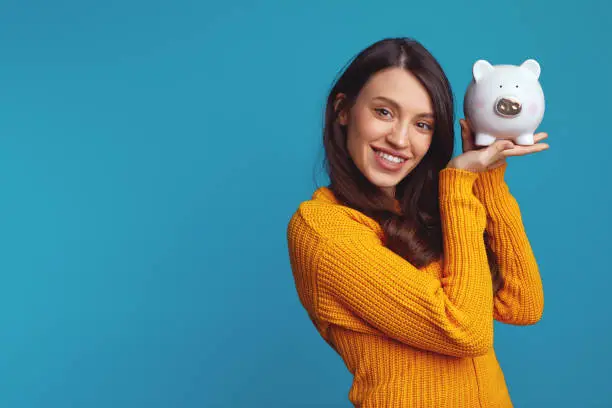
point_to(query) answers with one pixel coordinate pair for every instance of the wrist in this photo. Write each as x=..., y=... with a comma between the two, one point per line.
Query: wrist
x=455, y=163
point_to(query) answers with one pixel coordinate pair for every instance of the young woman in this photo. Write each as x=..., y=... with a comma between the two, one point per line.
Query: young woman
x=405, y=260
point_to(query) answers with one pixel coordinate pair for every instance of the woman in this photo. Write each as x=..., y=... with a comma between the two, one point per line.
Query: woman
x=407, y=257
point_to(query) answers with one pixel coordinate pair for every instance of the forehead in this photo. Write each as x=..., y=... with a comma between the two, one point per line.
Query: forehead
x=399, y=85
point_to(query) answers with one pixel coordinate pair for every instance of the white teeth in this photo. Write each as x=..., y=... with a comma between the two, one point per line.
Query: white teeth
x=390, y=158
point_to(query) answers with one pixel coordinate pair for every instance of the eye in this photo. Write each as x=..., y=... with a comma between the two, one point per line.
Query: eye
x=501, y=86
x=517, y=86
x=425, y=125
x=383, y=110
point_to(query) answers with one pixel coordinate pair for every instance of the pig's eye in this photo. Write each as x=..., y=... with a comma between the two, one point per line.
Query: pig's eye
x=500, y=86
x=517, y=86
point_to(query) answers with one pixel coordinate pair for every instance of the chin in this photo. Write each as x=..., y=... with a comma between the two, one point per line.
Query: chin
x=381, y=178
x=384, y=180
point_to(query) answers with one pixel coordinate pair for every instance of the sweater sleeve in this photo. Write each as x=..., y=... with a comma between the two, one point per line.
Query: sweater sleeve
x=451, y=315
x=520, y=301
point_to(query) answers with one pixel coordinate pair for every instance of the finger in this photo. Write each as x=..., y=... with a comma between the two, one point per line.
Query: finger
x=496, y=150
x=524, y=150
x=466, y=131
x=466, y=135
x=540, y=136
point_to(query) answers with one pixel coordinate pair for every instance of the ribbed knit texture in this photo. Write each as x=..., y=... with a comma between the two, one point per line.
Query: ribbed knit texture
x=417, y=337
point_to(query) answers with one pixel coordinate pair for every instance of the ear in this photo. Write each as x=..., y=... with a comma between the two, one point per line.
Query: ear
x=481, y=68
x=532, y=66
x=342, y=116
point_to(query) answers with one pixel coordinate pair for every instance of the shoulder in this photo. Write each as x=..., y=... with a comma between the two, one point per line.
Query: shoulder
x=324, y=217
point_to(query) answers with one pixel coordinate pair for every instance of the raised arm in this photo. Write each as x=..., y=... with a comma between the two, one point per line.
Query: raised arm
x=521, y=300
x=451, y=315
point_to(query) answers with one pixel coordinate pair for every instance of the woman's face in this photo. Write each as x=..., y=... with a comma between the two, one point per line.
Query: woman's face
x=392, y=112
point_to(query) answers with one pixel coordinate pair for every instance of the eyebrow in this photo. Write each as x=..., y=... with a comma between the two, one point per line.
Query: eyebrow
x=396, y=105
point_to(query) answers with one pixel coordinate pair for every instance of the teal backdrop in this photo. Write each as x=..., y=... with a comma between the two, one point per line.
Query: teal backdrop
x=152, y=153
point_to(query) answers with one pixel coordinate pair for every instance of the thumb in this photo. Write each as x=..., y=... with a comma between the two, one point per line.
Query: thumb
x=499, y=146
x=502, y=145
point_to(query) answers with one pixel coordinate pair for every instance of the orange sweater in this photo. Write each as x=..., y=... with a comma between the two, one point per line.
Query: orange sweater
x=418, y=337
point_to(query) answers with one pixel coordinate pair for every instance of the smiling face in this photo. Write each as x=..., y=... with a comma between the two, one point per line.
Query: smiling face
x=393, y=113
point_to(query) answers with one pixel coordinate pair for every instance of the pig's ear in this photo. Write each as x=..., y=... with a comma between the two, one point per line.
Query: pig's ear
x=480, y=69
x=532, y=66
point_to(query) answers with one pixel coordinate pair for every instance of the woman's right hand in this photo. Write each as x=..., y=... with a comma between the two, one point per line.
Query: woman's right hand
x=479, y=160
x=494, y=155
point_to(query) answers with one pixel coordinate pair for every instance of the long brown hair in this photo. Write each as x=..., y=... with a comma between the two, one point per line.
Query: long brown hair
x=416, y=233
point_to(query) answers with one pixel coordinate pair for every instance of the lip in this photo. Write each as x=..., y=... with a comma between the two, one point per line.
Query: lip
x=391, y=152
x=385, y=165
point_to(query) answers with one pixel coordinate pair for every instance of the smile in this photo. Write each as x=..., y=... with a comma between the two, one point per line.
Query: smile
x=387, y=161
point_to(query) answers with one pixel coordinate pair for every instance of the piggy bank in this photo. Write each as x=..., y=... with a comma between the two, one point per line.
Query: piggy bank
x=504, y=102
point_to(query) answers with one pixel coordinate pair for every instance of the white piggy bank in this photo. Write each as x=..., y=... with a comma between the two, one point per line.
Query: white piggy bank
x=504, y=102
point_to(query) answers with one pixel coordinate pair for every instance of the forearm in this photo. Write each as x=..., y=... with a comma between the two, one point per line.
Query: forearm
x=451, y=315
x=521, y=300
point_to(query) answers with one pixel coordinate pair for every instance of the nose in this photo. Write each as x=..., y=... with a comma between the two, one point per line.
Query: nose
x=399, y=137
x=508, y=106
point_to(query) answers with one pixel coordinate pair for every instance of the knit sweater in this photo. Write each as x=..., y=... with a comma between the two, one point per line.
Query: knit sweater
x=418, y=337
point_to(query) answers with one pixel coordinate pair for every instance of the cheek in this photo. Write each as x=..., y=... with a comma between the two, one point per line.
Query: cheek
x=370, y=128
x=362, y=134
x=374, y=129
x=479, y=104
x=421, y=144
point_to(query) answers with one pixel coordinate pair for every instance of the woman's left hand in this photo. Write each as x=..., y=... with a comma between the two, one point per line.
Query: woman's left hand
x=518, y=150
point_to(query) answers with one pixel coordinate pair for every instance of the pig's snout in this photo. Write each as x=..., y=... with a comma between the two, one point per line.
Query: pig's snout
x=507, y=107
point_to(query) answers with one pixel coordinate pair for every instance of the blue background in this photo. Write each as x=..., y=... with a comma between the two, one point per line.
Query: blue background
x=151, y=154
